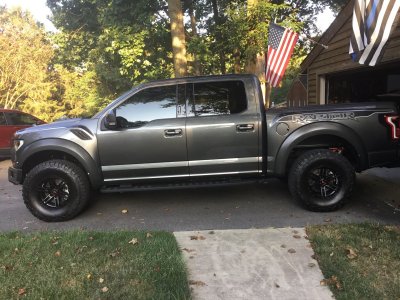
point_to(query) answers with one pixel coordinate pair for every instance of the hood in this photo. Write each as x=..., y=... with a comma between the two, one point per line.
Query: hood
x=55, y=125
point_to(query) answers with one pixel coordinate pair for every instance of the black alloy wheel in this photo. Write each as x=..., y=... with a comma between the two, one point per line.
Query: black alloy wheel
x=56, y=190
x=321, y=180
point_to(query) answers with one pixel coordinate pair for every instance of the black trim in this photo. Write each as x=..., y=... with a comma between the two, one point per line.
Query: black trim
x=15, y=175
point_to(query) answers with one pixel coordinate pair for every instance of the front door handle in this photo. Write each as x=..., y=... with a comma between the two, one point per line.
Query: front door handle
x=173, y=132
x=245, y=127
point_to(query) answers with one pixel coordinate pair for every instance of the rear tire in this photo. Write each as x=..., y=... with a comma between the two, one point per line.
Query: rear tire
x=321, y=180
x=56, y=190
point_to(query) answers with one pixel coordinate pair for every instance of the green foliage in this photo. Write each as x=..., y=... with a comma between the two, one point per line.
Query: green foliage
x=123, y=42
x=24, y=58
x=104, y=47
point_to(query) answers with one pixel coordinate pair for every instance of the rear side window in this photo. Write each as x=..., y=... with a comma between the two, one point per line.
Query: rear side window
x=219, y=98
x=2, y=119
x=20, y=119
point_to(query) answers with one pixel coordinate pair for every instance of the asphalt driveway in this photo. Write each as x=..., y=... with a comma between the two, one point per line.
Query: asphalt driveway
x=236, y=207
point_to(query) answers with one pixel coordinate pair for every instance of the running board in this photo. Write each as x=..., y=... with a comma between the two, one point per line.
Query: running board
x=166, y=186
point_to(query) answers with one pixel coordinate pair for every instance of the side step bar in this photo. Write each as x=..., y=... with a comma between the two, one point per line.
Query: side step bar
x=167, y=186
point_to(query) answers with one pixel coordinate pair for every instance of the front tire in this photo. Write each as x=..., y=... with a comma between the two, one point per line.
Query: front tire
x=321, y=180
x=56, y=190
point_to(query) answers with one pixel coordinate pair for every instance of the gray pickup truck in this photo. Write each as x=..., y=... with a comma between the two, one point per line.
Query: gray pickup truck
x=202, y=131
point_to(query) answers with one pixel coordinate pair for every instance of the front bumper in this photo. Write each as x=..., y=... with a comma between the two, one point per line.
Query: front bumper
x=15, y=175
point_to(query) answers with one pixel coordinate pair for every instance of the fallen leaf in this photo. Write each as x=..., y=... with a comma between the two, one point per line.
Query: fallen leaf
x=101, y=280
x=149, y=235
x=133, y=241
x=104, y=289
x=197, y=237
x=7, y=268
x=333, y=281
x=196, y=282
x=124, y=211
x=351, y=254
x=277, y=285
x=327, y=220
x=58, y=253
x=291, y=250
x=296, y=236
x=188, y=250
x=21, y=292
x=283, y=246
x=115, y=253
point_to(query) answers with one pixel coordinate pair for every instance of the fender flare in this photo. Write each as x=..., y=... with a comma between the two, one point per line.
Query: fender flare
x=320, y=129
x=60, y=145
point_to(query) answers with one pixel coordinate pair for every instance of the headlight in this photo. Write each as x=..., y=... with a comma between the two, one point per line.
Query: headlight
x=18, y=144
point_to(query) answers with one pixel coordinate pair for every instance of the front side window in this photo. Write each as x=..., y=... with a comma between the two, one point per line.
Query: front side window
x=147, y=105
x=20, y=119
x=219, y=98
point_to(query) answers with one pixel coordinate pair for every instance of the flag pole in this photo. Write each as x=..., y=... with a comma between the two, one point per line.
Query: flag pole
x=314, y=41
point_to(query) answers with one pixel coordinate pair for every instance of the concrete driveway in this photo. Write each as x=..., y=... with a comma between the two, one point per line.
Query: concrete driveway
x=236, y=207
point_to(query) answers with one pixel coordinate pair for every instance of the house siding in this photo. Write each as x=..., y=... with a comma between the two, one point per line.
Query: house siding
x=336, y=58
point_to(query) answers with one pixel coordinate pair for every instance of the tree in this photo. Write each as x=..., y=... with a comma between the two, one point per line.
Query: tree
x=178, y=37
x=24, y=59
x=124, y=42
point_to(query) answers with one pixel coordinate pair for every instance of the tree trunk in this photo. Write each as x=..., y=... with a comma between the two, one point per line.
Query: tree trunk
x=178, y=38
x=217, y=20
x=256, y=65
x=196, y=63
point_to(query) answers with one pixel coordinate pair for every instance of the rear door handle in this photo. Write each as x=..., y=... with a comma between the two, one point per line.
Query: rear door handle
x=173, y=132
x=245, y=127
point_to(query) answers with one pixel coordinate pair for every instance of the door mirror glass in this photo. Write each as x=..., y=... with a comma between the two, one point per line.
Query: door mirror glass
x=110, y=121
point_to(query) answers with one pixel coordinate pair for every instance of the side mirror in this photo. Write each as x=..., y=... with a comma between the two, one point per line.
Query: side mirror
x=110, y=121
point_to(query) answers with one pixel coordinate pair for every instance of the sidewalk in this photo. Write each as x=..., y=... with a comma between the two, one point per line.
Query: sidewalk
x=252, y=264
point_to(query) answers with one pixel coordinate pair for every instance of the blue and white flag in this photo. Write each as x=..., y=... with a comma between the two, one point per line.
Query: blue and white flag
x=372, y=24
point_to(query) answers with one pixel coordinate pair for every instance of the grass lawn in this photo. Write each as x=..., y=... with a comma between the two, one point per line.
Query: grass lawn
x=359, y=261
x=92, y=265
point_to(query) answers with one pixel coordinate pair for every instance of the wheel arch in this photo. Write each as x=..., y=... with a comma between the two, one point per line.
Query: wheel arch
x=321, y=135
x=48, y=149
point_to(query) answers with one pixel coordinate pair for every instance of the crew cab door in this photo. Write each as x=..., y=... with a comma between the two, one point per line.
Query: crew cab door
x=223, y=127
x=150, y=140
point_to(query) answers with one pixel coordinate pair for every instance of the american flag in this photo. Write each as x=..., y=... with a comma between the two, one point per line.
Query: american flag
x=372, y=24
x=281, y=42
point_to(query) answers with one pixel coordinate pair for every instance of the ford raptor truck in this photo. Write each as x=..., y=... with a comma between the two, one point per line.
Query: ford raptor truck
x=202, y=131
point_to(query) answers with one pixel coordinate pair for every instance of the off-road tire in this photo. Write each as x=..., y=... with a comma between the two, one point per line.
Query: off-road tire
x=55, y=179
x=321, y=180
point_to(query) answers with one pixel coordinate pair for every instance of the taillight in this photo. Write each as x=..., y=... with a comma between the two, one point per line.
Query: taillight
x=394, y=123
